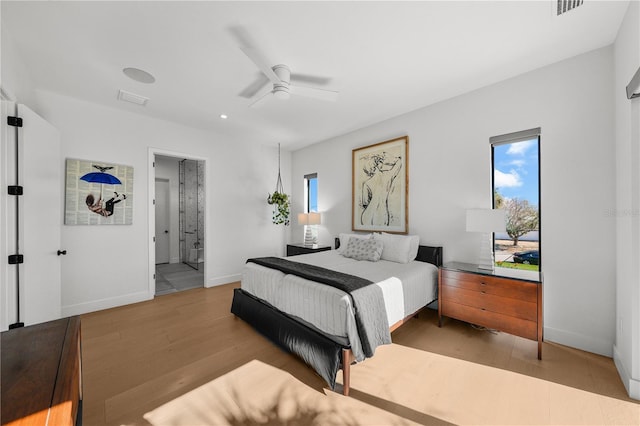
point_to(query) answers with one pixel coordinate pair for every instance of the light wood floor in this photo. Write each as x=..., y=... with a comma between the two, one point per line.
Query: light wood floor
x=185, y=359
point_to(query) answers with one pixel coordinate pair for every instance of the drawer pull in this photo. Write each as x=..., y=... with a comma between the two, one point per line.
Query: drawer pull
x=482, y=283
x=483, y=292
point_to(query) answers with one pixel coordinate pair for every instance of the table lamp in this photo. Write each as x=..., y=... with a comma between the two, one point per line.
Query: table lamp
x=308, y=220
x=486, y=221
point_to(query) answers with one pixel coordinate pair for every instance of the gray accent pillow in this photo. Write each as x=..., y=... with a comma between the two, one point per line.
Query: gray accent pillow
x=361, y=249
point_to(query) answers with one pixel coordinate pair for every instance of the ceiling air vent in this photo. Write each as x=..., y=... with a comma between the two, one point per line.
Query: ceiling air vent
x=566, y=5
x=132, y=97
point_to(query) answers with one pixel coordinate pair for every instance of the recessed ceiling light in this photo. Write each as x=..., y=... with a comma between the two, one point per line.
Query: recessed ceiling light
x=224, y=116
x=139, y=75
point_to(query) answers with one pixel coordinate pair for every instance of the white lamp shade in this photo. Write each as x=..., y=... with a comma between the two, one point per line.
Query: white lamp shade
x=303, y=218
x=312, y=218
x=486, y=220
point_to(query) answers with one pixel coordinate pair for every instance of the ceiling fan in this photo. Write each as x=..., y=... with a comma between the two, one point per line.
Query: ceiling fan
x=279, y=81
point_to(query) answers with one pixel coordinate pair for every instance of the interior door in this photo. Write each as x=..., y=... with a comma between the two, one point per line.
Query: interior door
x=42, y=217
x=7, y=231
x=39, y=215
x=162, y=221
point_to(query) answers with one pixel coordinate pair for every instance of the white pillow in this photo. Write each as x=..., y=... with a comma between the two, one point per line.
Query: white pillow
x=414, y=246
x=398, y=248
x=363, y=249
x=344, y=239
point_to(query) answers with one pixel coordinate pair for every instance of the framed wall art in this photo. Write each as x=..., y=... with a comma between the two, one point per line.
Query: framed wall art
x=380, y=184
x=98, y=193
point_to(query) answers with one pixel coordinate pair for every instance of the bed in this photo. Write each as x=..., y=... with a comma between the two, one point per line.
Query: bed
x=330, y=326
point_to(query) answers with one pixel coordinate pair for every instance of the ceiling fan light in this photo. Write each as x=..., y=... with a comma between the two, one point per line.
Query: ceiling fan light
x=281, y=93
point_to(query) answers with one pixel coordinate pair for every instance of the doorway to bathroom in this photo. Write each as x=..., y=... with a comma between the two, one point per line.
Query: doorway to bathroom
x=179, y=206
x=192, y=212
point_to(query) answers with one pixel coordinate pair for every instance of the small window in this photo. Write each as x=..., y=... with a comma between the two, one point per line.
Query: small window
x=311, y=201
x=311, y=193
x=516, y=188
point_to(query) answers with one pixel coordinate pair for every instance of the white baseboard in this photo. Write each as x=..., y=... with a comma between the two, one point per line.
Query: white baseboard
x=632, y=385
x=98, y=305
x=579, y=341
x=113, y=302
x=226, y=279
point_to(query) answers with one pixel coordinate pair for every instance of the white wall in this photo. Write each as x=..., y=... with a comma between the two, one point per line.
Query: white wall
x=168, y=168
x=107, y=266
x=15, y=79
x=627, y=211
x=450, y=168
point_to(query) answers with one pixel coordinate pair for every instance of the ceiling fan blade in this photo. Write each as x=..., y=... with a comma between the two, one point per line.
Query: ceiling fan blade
x=313, y=92
x=310, y=79
x=260, y=99
x=257, y=86
x=257, y=59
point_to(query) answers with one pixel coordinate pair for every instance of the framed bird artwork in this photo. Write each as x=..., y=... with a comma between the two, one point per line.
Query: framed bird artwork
x=98, y=193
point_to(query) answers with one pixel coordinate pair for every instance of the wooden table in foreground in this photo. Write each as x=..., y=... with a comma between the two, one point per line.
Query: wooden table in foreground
x=487, y=298
x=42, y=374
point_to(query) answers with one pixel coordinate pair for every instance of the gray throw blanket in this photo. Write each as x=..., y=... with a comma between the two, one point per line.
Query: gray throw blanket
x=370, y=312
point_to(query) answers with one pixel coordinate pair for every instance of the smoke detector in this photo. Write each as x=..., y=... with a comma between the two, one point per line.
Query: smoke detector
x=139, y=75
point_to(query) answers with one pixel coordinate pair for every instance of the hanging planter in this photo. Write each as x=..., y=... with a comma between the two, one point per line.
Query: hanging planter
x=280, y=201
x=280, y=208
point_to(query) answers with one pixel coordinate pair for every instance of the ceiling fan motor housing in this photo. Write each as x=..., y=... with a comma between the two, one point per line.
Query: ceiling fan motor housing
x=281, y=90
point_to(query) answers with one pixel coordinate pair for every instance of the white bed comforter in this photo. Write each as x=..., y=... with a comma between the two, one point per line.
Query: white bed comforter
x=406, y=288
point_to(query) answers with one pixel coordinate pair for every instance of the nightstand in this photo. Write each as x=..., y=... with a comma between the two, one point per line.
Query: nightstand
x=491, y=299
x=296, y=249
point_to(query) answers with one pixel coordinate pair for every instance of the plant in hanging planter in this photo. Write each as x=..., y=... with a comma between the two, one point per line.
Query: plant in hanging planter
x=280, y=200
x=281, y=211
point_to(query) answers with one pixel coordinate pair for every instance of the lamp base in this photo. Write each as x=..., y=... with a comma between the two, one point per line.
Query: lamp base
x=486, y=258
x=308, y=237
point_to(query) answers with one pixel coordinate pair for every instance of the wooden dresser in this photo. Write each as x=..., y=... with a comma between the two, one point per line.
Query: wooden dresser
x=42, y=374
x=482, y=297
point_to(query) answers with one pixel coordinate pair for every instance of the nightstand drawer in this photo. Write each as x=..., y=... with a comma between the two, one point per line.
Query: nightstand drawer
x=517, y=326
x=504, y=287
x=490, y=302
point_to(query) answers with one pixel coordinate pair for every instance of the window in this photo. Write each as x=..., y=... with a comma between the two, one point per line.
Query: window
x=311, y=201
x=311, y=193
x=515, y=159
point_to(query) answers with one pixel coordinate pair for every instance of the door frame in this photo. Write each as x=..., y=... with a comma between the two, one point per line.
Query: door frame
x=151, y=191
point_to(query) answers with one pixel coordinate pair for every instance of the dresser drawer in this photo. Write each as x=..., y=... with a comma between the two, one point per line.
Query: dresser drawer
x=504, y=303
x=490, y=302
x=494, y=320
x=503, y=287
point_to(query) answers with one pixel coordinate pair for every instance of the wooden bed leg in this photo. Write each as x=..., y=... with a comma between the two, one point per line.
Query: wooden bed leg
x=346, y=371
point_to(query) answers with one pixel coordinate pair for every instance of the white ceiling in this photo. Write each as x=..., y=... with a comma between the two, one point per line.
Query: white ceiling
x=385, y=58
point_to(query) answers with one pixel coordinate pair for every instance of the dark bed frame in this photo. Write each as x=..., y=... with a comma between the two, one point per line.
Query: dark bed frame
x=325, y=353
